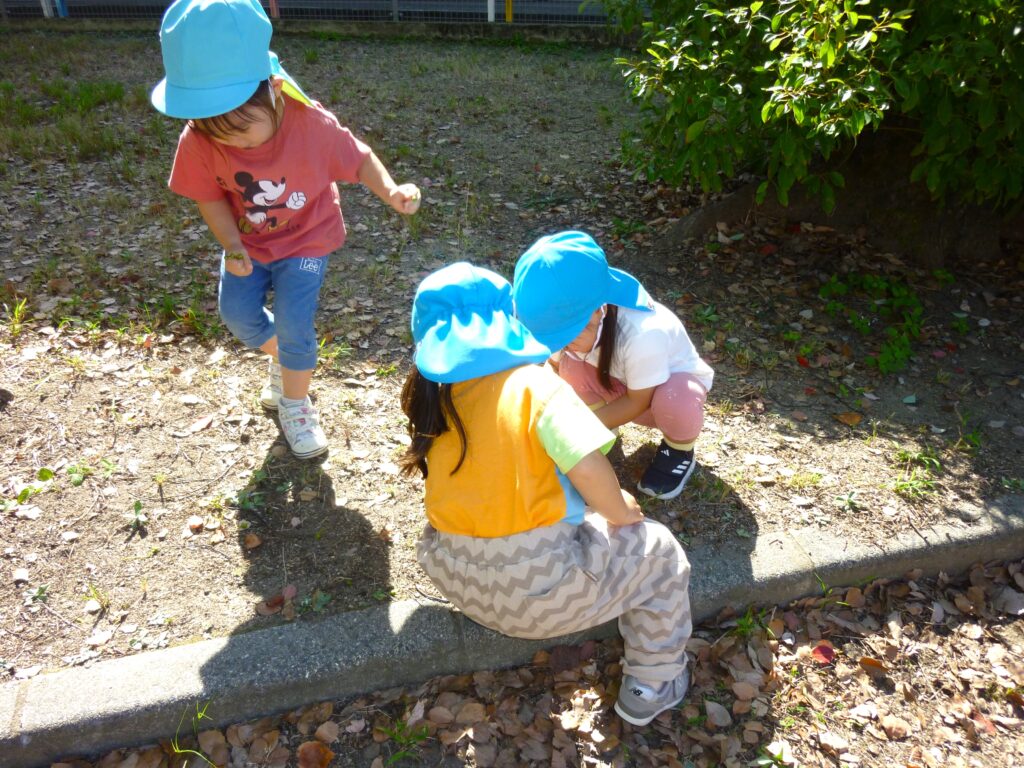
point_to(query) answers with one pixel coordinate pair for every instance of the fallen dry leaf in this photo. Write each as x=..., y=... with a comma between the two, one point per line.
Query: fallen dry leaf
x=849, y=418
x=314, y=754
x=895, y=728
x=823, y=652
x=874, y=668
x=718, y=716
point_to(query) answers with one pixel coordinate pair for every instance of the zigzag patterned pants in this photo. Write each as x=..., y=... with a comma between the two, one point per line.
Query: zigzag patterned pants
x=565, y=578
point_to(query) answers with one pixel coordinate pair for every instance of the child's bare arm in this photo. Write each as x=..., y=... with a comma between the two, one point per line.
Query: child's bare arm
x=594, y=477
x=404, y=198
x=219, y=218
x=626, y=408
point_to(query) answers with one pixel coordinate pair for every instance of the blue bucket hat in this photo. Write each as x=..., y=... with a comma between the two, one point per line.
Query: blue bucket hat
x=216, y=52
x=561, y=279
x=463, y=326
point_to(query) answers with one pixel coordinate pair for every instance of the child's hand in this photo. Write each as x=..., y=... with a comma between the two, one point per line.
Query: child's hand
x=405, y=198
x=237, y=263
x=634, y=514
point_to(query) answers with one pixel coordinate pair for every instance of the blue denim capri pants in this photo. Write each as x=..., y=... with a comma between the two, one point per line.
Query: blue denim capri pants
x=296, y=283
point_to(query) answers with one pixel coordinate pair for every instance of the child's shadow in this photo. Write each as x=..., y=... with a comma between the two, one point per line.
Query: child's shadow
x=307, y=555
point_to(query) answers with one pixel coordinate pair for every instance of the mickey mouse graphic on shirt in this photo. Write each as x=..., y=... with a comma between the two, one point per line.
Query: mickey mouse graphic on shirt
x=260, y=197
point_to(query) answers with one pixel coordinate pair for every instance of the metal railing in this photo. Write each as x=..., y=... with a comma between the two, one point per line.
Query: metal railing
x=492, y=11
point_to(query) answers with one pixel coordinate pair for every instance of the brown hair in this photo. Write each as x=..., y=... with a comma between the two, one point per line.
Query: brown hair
x=430, y=410
x=235, y=121
x=609, y=333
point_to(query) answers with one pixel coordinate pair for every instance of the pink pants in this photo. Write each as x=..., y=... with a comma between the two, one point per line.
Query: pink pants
x=677, y=408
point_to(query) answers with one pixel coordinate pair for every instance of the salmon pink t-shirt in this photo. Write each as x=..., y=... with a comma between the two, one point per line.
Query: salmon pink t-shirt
x=284, y=192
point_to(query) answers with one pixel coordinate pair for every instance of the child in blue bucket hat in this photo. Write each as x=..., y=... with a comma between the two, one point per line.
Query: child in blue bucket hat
x=627, y=356
x=529, y=532
x=261, y=159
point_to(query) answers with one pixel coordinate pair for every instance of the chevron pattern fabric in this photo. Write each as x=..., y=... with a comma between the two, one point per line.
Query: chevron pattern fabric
x=563, y=578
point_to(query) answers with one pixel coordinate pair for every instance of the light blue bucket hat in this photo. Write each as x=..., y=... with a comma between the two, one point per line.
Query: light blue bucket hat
x=463, y=326
x=561, y=279
x=216, y=52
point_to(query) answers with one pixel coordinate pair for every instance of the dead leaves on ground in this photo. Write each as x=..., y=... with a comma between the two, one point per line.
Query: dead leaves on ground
x=903, y=672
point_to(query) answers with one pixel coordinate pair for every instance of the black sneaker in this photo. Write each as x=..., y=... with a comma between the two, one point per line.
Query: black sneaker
x=668, y=472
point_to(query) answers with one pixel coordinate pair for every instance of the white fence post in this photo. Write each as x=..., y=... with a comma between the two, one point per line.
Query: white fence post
x=490, y=11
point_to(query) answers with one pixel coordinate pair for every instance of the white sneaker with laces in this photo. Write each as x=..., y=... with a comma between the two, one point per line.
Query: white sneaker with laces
x=301, y=428
x=271, y=393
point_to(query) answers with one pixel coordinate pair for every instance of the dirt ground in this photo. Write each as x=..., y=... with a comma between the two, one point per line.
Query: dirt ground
x=148, y=500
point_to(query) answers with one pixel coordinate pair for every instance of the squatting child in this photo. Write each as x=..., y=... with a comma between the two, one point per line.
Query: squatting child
x=627, y=356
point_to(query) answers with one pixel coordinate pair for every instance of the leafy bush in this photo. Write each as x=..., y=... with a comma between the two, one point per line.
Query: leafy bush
x=773, y=88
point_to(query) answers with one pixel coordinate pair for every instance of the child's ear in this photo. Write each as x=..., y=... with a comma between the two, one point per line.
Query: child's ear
x=277, y=83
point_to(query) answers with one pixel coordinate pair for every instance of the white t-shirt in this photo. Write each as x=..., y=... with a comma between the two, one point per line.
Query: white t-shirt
x=650, y=346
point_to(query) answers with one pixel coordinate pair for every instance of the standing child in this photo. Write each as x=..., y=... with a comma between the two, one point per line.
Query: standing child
x=261, y=160
x=629, y=358
x=512, y=460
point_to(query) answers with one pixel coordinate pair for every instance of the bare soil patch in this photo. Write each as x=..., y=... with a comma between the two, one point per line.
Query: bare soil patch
x=149, y=501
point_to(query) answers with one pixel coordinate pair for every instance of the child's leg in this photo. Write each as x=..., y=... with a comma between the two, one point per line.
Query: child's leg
x=241, y=303
x=677, y=410
x=582, y=377
x=561, y=579
x=297, y=282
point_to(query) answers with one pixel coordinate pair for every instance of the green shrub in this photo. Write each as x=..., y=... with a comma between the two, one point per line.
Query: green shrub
x=772, y=88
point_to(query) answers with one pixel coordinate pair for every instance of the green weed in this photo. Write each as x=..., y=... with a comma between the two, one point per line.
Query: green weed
x=16, y=314
x=408, y=740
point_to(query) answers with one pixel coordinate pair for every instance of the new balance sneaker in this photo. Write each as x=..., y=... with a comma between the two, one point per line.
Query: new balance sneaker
x=639, y=703
x=668, y=472
x=301, y=429
x=270, y=395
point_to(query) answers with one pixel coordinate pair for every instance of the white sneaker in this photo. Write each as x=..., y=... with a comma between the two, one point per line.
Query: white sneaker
x=270, y=395
x=301, y=429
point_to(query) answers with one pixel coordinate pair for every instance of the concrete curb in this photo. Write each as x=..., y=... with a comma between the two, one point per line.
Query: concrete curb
x=137, y=699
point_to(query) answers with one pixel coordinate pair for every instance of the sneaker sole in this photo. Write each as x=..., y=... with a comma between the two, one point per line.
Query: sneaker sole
x=633, y=720
x=675, y=491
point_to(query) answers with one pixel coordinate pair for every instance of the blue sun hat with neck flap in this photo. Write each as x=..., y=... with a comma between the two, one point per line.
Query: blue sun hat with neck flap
x=463, y=326
x=561, y=279
x=215, y=52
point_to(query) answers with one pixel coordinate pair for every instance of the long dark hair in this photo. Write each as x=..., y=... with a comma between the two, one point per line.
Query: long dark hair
x=609, y=333
x=431, y=413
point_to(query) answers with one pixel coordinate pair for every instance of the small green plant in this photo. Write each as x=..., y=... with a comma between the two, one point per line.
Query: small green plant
x=749, y=623
x=925, y=458
x=1014, y=484
x=77, y=473
x=407, y=738
x=959, y=323
x=16, y=317
x=707, y=315
x=848, y=501
x=384, y=371
x=197, y=721
x=914, y=484
x=38, y=595
x=94, y=593
x=314, y=603
x=137, y=519
x=944, y=276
